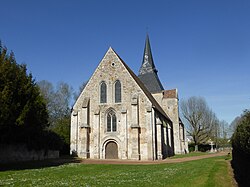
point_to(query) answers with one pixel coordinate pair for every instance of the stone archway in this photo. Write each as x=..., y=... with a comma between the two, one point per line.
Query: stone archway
x=111, y=150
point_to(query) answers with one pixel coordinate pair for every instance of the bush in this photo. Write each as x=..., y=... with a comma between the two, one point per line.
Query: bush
x=190, y=148
x=241, y=150
x=201, y=147
x=241, y=137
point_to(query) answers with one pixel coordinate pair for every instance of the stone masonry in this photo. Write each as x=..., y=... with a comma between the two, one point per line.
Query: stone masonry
x=121, y=116
x=142, y=130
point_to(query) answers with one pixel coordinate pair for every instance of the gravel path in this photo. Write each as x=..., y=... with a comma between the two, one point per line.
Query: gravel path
x=168, y=160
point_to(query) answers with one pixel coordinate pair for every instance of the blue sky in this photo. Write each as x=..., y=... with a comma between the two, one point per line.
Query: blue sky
x=201, y=47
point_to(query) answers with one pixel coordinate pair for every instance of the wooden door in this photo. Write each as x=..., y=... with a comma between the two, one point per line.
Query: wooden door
x=111, y=151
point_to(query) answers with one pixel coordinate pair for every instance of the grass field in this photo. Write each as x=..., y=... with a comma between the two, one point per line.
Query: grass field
x=190, y=155
x=205, y=172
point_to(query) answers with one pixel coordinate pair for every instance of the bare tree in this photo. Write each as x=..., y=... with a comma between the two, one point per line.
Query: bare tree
x=200, y=118
x=221, y=134
x=234, y=125
x=77, y=94
x=57, y=99
x=58, y=105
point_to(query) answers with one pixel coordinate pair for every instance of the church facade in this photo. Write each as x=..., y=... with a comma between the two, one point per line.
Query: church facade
x=120, y=115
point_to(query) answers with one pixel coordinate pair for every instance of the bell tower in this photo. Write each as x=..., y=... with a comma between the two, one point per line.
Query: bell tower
x=148, y=73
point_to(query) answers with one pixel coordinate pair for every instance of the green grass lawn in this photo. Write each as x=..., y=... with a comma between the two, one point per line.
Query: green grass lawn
x=190, y=154
x=205, y=172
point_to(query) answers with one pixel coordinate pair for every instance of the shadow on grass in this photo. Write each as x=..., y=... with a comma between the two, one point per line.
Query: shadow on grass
x=38, y=164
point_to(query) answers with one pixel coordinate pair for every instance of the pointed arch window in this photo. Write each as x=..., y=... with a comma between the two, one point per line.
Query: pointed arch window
x=111, y=122
x=103, y=92
x=118, y=96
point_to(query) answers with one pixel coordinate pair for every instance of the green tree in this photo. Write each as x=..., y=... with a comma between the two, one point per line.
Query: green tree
x=241, y=136
x=23, y=113
x=62, y=128
x=241, y=150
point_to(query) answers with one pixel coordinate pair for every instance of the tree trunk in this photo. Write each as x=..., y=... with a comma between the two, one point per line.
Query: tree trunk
x=196, y=148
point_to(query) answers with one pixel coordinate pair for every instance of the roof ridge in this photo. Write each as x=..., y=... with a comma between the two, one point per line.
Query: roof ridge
x=144, y=89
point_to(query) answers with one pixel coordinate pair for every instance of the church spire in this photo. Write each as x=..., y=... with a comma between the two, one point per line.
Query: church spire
x=148, y=73
x=147, y=62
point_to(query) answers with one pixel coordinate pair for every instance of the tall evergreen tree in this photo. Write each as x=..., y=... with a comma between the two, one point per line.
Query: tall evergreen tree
x=23, y=113
x=241, y=150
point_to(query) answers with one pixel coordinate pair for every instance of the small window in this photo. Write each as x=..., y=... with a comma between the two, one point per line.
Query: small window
x=118, y=92
x=103, y=94
x=111, y=122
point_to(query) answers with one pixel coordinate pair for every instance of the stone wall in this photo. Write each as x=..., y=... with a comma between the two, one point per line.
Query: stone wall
x=170, y=103
x=14, y=153
x=137, y=136
x=133, y=120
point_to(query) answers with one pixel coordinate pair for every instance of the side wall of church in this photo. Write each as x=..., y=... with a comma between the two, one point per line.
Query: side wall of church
x=171, y=107
x=134, y=135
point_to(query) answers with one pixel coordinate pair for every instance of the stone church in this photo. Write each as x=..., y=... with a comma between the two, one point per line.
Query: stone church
x=120, y=115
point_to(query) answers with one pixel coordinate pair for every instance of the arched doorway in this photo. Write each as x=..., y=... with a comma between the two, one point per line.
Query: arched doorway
x=111, y=150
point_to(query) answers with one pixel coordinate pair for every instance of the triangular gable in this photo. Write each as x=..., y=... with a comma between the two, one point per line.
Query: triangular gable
x=136, y=79
x=88, y=82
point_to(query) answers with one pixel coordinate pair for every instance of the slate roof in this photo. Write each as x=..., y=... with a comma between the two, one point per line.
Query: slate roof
x=148, y=73
x=147, y=58
x=155, y=104
x=151, y=81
